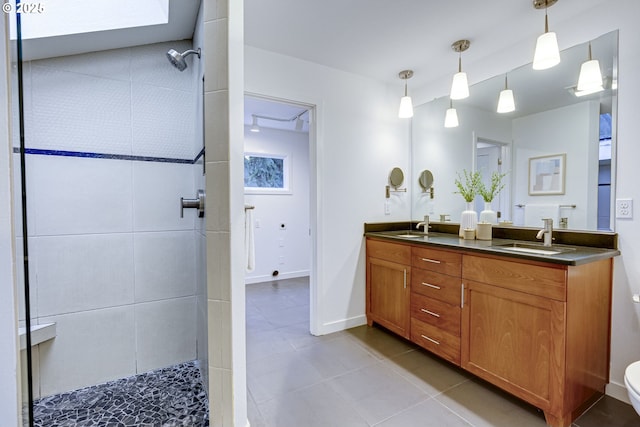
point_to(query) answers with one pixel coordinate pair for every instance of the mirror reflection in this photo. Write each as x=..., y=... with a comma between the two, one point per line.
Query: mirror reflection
x=549, y=122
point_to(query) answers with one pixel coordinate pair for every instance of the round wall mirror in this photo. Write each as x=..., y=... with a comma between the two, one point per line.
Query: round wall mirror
x=425, y=180
x=396, y=177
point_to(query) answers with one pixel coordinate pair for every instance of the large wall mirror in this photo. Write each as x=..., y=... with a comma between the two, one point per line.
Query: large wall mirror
x=550, y=124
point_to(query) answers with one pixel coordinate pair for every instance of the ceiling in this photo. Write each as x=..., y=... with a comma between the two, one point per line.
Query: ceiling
x=371, y=38
x=379, y=38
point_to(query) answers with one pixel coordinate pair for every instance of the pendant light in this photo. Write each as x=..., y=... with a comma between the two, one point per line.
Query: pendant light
x=460, y=85
x=451, y=116
x=406, y=106
x=547, y=54
x=506, y=103
x=590, y=79
x=254, y=125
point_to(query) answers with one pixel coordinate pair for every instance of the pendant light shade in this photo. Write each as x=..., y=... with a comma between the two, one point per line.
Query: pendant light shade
x=451, y=117
x=547, y=54
x=254, y=125
x=460, y=84
x=506, y=103
x=406, y=106
x=590, y=79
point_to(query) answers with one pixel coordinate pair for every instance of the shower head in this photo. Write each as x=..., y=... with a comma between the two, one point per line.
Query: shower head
x=177, y=59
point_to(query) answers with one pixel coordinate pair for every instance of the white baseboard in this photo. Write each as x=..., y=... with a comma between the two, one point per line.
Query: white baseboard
x=270, y=278
x=617, y=391
x=341, y=325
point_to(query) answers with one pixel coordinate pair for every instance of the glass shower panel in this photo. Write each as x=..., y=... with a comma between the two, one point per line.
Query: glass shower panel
x=113, y=140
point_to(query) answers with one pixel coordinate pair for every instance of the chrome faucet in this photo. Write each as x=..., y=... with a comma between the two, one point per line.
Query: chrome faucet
x=547, y=231
x=424, y=224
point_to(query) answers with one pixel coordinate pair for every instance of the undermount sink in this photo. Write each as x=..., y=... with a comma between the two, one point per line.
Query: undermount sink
x=410, y=235
x=532, y=248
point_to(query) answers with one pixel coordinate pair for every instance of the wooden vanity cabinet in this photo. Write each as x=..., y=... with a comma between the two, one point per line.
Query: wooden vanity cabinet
x=539, y=331
x=435, y=301
x=388, y=279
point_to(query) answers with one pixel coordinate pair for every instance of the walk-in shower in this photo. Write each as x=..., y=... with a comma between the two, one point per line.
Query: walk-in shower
x=177, y=59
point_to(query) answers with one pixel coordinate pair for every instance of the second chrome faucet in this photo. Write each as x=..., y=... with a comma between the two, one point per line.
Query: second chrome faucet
x=546, y=232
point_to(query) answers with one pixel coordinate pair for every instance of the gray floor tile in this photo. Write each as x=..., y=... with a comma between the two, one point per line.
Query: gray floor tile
x=380, y=342
x=483, y=405
x=426, y=414
x=368, y=376
x=427, y=371
x=337, y=356
x=377, y=392
x=609, y=412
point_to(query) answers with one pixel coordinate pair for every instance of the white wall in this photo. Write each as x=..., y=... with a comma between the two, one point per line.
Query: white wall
x=111, y=261
x=292, y=243
x=572, y=130
x=9, y=367
x=359, y=139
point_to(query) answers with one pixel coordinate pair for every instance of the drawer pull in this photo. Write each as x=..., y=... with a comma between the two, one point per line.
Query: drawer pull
x=430, y=339
x=430, y=285
x=424, y=310
x=435, y=261
x=405, y=278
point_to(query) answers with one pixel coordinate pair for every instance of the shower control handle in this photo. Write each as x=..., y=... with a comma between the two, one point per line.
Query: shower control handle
x=194, y=204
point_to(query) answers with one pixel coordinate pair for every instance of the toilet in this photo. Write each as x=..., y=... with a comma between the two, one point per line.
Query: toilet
x=632, y=381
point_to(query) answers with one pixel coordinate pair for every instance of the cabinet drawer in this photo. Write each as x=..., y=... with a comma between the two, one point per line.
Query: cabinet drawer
x=393, y=252
x=436, y=340
x=436, y=260
x=435, y=285
x=548, y=282
x=437, y=313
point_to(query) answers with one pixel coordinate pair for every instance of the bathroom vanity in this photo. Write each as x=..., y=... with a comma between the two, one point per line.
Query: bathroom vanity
x=534, y=324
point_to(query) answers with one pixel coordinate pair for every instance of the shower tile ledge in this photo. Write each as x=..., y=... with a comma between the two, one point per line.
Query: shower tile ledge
x=39, y=334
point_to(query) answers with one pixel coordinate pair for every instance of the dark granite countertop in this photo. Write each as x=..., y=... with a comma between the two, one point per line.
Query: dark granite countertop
x=573, y=255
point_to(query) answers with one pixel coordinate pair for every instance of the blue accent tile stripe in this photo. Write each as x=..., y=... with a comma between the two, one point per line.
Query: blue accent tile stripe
x=90, y=155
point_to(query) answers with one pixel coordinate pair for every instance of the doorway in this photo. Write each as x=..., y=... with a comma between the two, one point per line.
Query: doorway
x=491, y=156
x=280, y=189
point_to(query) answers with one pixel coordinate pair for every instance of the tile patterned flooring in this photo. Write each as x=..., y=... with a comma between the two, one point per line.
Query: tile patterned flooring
x=369, y=377
x=168, y=397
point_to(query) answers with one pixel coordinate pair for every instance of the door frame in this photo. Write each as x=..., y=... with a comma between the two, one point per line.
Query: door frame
x=315, y=207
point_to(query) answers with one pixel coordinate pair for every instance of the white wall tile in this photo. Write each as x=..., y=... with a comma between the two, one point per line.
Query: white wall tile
x=26, y=103
x=33, y=283
x=217, y=203
x=217, y=128
x=163, y=121
x=216, y=62
x=83, y=272
x=165, y=333
x=89, y=348
x=77, y=112
x=149, y=64
x=17, y=195
x=35, y=372
x=218, y=265
x=164, y=265
x=157, y=188
x=219, y=325
x=76, y=196
x=111, y=64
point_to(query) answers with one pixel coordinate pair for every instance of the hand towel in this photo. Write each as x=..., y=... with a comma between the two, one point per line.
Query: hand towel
x=534, y=213
x=249, y=243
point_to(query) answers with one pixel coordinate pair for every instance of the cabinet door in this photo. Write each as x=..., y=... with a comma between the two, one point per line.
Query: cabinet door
x=514, y=340
x=389, y=295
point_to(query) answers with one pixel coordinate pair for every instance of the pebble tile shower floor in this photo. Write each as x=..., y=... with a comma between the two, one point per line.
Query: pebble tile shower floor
x=168, y=397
